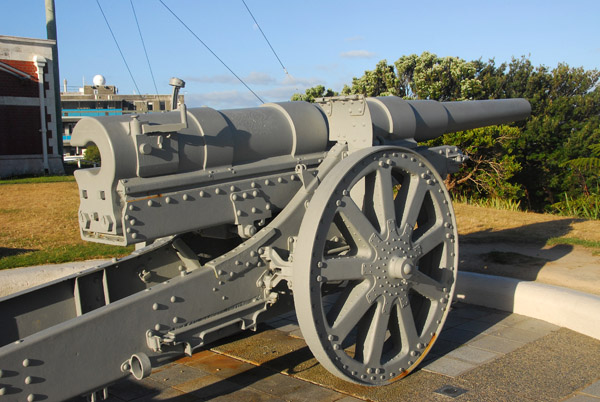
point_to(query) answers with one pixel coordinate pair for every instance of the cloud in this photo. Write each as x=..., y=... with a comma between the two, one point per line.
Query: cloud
x=254, y=78
x=273, y=90
x=222, y=99
x=299, y=81
x=281, y=94
x=232, y=99
x=335, y=67
x=354, y=38
x=358, y=54
x=213, y=79
x=258, y=78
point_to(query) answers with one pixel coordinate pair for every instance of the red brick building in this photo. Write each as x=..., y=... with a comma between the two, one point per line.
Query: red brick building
x=28, y=137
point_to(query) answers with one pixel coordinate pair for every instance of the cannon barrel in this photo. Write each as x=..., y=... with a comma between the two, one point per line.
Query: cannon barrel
x=421, y=120
x=150, y=155
x=211, y=138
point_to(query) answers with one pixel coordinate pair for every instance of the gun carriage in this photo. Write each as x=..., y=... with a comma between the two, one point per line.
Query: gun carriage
x=239, y=215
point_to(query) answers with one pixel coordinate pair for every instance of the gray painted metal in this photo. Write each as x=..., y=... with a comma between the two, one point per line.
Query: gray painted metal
x=237, y=208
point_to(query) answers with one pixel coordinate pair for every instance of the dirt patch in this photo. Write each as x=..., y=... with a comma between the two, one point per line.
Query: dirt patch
x=510, y=258
x=484, y=224
x=560, y=265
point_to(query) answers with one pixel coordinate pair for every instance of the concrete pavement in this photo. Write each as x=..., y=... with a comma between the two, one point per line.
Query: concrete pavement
x=483, y=354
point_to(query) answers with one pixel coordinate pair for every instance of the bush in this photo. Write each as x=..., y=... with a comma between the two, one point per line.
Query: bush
x=586, y=206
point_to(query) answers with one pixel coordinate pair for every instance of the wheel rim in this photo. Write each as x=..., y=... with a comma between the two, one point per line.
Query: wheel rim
x=372, y=283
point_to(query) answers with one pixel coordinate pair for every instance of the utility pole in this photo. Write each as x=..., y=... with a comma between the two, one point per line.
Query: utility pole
x=51, y=34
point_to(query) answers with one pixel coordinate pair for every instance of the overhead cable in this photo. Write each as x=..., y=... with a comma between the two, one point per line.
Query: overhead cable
x=118, y=47
x=143, y=45
x=209, y=49
x=265, y=36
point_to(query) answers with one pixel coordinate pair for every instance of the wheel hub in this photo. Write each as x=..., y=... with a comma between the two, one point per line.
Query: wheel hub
x=395, y=260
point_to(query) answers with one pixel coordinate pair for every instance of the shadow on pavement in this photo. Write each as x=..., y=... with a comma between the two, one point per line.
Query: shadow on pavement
x=517, y=253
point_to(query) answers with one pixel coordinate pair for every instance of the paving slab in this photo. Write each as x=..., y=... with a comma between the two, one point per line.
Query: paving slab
x=582, y=398
x=593, y=389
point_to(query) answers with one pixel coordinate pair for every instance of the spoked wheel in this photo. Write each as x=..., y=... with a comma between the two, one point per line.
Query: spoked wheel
x=375, y=265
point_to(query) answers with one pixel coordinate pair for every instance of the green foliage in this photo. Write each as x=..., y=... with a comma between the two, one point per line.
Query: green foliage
x=57, y=255
x=380, y=82
x=585, y=206
x=92, y=154
x=590, y=164
x=495, y=203
x=38, y=179
x=586, y=168
x=594, y=245
x=312, y=93
x=565, y=121
x=491, y=164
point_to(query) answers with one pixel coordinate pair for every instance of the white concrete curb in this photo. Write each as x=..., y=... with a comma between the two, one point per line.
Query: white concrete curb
x=17, y=279
x=560, y=306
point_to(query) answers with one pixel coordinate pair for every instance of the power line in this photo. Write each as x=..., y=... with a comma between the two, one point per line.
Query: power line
x=144, y=46
x=213, y=53
x=265, y=36
x=118, y=47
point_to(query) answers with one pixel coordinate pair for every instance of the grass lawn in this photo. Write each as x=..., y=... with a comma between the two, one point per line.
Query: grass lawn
x=38, y=225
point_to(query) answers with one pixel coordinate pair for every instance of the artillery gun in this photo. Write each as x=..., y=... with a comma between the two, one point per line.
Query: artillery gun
x=240, y=215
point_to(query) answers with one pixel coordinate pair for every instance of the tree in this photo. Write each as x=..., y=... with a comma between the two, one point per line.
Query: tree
x=382, y=81
x=491, y=164
x=420, y=77
x=564, y=123
x=312, y=93
x=586, y=168
x=437, y=78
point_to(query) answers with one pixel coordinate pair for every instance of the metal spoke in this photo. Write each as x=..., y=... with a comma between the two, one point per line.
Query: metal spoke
x=384, y=197
x=414, y=201
x=373, y=343
x=408, y=328
x=426, y=286
x=353, y=310
x=343, y=268
x=430, y=239
x=356, y=222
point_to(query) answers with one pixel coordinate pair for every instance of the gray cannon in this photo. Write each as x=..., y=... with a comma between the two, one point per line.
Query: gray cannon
x=240, y=215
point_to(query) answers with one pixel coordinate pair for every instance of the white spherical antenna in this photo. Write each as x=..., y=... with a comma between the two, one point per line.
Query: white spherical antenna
x=99, y=80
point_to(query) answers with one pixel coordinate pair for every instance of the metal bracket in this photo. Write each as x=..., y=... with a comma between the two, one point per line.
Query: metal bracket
x=157, y=146
x=305, y=176
x=280, y=269
x=192, y=336
x=349, y=120
x=250, y=206
x=355, y=104
x=167, y=128
x=446, y=159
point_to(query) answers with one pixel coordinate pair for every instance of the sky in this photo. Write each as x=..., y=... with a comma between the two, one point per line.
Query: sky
x=320, y=42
